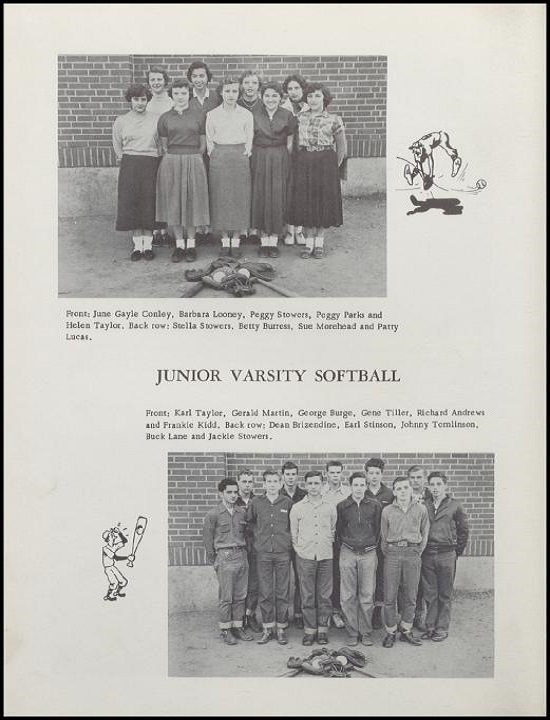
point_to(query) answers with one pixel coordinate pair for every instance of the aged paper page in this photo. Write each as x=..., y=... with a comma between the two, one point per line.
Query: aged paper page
x=455, y=305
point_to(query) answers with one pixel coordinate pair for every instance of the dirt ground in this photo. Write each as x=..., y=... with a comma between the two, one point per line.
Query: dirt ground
x=94, y=260
x=195, y=648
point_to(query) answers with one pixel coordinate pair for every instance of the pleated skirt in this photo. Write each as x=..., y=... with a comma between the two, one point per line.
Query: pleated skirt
x=137, y=178
x=270, y=167
x=182, y=191
x=229, y=179
x=316, y=195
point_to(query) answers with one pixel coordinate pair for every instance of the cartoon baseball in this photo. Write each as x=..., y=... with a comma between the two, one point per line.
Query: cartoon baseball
x=141, y=524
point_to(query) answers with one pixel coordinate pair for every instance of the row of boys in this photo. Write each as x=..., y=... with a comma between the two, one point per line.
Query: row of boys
x=356, y=549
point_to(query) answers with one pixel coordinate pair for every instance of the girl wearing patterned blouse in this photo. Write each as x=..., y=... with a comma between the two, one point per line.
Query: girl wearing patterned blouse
x=274, y=130
x=136, y=145
x=316, y=201
x=294, y=86
x=229, y=133
x=182, y=188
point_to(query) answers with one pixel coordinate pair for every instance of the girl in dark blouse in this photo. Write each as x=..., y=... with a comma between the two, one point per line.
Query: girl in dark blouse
x=274, y=129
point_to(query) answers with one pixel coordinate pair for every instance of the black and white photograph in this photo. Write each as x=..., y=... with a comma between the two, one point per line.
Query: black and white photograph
x=222, y=175
x=330, y=564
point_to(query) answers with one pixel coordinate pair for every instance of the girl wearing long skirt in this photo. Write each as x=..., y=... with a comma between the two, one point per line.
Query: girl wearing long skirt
x=137, y=148
x=158, y=81
x=316, y=201
x=274, y=130
x=229, y=133
x=294, y=86
x=182, y=188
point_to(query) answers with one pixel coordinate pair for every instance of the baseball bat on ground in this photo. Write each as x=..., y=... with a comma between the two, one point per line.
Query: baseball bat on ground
x=277, y=288
x=141, y=524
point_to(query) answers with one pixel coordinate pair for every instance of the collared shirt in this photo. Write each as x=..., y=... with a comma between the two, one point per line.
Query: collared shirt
x=294, y=107
x=233, y=127
x=448, y=524
x=210, y=100
x=136, y=134
x=254, y=105
x=182, y=130
x=242, y=502
x=269, y=523
x=223, y=529
x=411, y=524
x=318, y=130
x=160, y=104
x=335, y=496
x=313, y=528
x=299, y=493
x=270, y=132
x=384, y=495
x=358, y=524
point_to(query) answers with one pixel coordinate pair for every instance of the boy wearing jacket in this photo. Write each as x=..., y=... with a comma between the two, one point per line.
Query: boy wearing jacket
x=447, y=540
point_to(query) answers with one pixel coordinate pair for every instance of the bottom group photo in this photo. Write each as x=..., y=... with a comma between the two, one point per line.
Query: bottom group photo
x=316, y=565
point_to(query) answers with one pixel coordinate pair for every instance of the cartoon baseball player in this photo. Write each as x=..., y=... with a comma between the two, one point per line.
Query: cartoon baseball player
x=114, y=540
x=422, y=150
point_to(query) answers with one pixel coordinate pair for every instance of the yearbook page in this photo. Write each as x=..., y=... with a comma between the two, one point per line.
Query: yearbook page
x=274, y=359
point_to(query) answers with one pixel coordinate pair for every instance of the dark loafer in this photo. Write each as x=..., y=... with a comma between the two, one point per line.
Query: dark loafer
x=389, y=640
x=136, y=255
x=178, y=255
x=228, y=638
x=266, y=637
x=274, y=251
x=308, y=639
x=241, y=634
x=440, y=635
x=263, y=251
x=322, y=638
x=410, y=638
x=428, y=635
x=191, y=255
x=281, y=636
x=149, y=255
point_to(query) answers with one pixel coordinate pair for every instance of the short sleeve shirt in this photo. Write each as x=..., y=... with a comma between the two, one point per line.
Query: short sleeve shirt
x=318, y=130
x=275, y=131
x=183, y=130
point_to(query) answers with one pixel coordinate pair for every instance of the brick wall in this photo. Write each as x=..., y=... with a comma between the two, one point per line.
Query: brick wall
x=193, y=479
x=91, y=90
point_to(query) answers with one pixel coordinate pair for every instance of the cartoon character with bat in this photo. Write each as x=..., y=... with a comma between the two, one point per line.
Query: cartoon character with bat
x=114, y=540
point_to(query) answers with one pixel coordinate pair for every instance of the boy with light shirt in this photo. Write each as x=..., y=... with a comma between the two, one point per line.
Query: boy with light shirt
x=335, y=490
x=225, y=543
x=313, y=526
x=268, y=517
x=421, y=493
x=376, y=490
x=447, y=540
x=245, y=482
x=404, y=531
x=292, y=490
x=358, y=530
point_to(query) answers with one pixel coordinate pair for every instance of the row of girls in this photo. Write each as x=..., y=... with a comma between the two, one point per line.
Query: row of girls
x=255, y=160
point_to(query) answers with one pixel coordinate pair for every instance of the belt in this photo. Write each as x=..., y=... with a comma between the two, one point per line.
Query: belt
x=404, y=543
x=360, y=551
x=233, y=547
x=440, y=548
x=316, y=148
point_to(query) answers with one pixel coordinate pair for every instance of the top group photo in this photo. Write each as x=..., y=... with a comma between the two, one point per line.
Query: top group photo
x=221, y=176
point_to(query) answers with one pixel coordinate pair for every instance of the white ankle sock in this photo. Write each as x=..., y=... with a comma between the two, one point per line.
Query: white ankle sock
x=225, y=241
x=138, y=242
x=147, y=242
x=309, y=243
x=235, y=241
x=180, y=242
x=319, y=241
x=191, y=242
